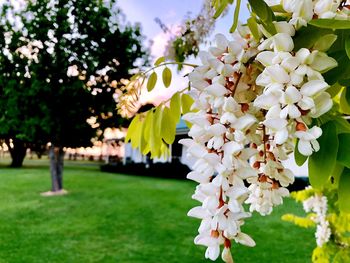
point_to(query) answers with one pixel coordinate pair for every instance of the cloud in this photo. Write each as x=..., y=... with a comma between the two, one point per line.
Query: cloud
x=160, y=41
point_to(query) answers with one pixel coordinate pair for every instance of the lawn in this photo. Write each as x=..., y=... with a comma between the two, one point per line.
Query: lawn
x=118, y=218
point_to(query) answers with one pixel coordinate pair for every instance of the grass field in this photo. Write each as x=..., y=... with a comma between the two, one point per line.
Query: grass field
x=117, y=218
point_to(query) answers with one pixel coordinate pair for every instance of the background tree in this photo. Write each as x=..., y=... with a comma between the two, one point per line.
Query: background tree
x=77, y=49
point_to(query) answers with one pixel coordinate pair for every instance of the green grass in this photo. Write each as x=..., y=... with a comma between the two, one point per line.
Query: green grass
x=119, y=218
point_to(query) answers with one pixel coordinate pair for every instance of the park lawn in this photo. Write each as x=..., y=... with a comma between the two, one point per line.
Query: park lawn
x=118, y=218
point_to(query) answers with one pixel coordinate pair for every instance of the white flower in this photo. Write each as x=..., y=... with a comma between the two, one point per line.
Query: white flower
x=326, y=8
x=308, y=140
x=289, y=98
x=213, y=244
x=278, y=42
x=323, y=233
x=318, y=204
x=72, y=71
x=302, y=11
x=309, y=91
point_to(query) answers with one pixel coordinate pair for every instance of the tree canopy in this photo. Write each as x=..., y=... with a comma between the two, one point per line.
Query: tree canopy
x=60, y=65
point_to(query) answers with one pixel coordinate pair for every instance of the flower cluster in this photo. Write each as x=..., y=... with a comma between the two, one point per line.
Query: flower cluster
x=302, y=11
x=318, y=204
x=221, y=128
x=254, y=99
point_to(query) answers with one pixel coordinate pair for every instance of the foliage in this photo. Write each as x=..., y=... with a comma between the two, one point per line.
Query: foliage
x=41, y=100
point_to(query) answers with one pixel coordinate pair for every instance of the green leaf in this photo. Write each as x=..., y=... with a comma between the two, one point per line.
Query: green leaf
x=175, y=105
x=152, y=80
x=325, y=42
x=344, y=191
x=253, y=26
x=159, y=61
x=133, y=129
x=343, y=152
x=342, y=71
x=157, y=118
x=220, y=7
x=262, y=10
x=331, y=23
x=145, y=131
x=168, y=130
x=154, y=136
x=322, y=163
x=167, y=75
x=347, y=46
x=343, y=125
x=235, y=16
x=306, y=37
x=345, y=101
x=186, y=103
x=334, y=89
x=277, y=9
x=298, y=157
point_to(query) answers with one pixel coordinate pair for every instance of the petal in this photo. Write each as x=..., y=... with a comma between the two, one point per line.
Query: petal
x=228, y=70
x=216, y=51
x=292, y=95
x=198, y=212
x=197, y=177
x=313, y=87
x=226, y=255
x=295, y=79
x=302, y=55
x=304, y=147
x=216, y=64
x=283, y=42
x=244, y=122
x=306, y=103
x=244, y=239
x=278, y=74
x=290, y=64
x=231, y=105
x=212, y=252
x=232, y=148
x=293, y=111
x=284, y=27
x=216, y=90
x=221, y=41
x=316, y=132
x=217, y=129
x=276, y=124
x=266, y=101
x=322, y=63
x=315, y=145
x=274, y=112
x=281, y=136
x=323, y=103
x=265, y=58
x=186, y=142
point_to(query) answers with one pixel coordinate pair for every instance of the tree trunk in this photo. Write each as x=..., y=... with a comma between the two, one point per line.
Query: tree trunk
x=56, y=155
x=17, y=152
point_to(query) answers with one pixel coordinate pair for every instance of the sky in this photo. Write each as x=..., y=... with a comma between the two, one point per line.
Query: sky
x=171, y=13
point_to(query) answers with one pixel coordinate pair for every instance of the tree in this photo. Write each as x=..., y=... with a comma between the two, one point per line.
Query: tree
x=63, y=59
x=280, y=85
